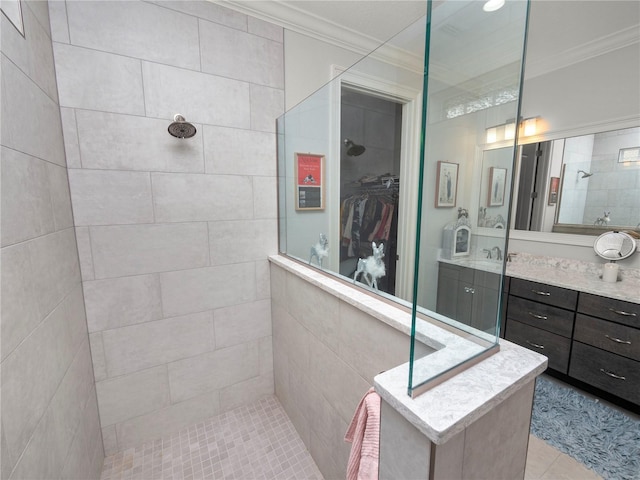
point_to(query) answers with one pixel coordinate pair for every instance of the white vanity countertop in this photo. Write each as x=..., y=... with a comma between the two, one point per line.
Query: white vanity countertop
x=562, y=272
x=449, y=407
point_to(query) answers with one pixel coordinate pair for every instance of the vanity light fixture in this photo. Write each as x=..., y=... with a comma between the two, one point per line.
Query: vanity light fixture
x=492, y=134
x=529, y=126
x=493, y=5
x=505, y=131
x=510, y=130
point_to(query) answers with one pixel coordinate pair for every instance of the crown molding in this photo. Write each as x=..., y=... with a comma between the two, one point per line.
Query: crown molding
x=586, y=51
x=305, y=23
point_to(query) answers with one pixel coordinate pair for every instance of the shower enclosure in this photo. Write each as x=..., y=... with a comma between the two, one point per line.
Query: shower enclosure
x=463, y=80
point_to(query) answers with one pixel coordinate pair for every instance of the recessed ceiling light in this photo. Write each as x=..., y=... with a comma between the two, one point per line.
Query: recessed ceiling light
x=493, y=5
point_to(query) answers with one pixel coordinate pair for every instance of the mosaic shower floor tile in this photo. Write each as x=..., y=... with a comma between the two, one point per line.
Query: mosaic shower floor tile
x=256, y=441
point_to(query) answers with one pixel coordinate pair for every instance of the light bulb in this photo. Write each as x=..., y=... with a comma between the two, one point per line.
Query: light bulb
x=493, y=5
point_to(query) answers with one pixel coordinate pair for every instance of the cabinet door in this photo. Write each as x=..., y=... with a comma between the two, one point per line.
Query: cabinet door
x=484, y=313
x=448, y=284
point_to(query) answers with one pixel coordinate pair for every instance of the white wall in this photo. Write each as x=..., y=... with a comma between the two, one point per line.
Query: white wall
x=173, y=233
x=50, y=424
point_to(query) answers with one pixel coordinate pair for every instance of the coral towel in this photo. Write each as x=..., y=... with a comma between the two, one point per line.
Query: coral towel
x=364, y=435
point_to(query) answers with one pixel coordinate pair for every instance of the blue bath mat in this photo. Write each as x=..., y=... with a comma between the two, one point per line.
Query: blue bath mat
x=602, y=438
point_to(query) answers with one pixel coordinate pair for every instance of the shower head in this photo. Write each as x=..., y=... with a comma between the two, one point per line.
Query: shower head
x=180, y=128
x=353, y=150
x=584, y=174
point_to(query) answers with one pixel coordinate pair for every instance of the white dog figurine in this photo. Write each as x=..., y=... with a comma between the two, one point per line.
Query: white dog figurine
x=603, y=220
x=372, y=267
x=320, y=250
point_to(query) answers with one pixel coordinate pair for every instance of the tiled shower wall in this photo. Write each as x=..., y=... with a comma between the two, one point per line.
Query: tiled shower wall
x=50, y=426
x=173, y=234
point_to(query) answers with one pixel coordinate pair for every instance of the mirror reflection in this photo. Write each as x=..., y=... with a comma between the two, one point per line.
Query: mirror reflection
x=584, y=184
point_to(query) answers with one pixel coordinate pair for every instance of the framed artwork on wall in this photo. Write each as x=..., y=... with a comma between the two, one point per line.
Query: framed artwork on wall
x=446, y=184
x=309, y=178
x=497, y=183
x=553, y=191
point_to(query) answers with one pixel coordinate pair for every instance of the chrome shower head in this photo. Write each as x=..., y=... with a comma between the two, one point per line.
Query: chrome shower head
x=180, y=128
x=584, y=174
x=353, y=150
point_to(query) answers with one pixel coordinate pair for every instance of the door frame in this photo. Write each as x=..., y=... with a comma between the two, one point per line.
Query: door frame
x=411, y=100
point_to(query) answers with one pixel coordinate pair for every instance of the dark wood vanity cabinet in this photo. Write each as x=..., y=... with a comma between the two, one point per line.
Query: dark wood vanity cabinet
x=468, y=295
x=592, y=339
x=541, y=317
x=606, y=346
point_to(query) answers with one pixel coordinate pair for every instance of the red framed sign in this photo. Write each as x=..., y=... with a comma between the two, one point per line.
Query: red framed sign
x=309, y=177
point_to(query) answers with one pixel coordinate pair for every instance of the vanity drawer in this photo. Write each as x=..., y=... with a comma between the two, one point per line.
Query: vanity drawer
x=546, y=317
x=557, y=296
x=608, y=336
x=610, y=309
x=607, y=371
x=554, y=347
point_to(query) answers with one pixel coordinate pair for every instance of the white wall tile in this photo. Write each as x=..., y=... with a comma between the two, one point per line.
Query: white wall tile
x=188, y=197
x=129, y=396
x=60, y=198
x=31, y=53
x=124, y=142
x=110, y=197
x=118, y=302
x=242, y=240
x=290, y=337
x=209, y=11
x=137, y=249
x=207, y=288
x=36, y=276
x=134, y=348
x=97, y=356
x=239, y=152
x=26, y=197
x=265, y=29
x=266, y=355
x=84, y=253
x=70, y=133
x=98, y=81
x=167, y=420
x=43, y=359
x=40, y=10
x=91, y=437
x=245, y=392
x=110, y=440
x=242, y=323
x=213, y=370
x=265, y=200
x=199, y=98
x=263, y=282
x=136, y=29
x=315, y=309
x=231, y=53
x=34, y=127
x=58, y=21
x=267, y=104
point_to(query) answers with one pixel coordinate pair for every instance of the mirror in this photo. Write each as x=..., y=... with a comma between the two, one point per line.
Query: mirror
x=614, y=245
x=585, y=184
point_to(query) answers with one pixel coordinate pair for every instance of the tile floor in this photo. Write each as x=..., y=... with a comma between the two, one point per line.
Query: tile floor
x=258, y=441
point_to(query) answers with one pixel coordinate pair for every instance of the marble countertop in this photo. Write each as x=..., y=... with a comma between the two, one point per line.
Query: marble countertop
x=562, y=272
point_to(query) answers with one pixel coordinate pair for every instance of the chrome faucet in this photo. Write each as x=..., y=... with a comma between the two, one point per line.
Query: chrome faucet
x=498, y=252
x=488, y=252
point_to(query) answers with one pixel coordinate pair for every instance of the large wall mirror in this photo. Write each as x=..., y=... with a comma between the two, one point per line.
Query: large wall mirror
x=580, y=173
x=581, y=185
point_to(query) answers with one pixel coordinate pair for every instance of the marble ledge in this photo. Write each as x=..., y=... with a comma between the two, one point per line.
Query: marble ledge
x=447, y=409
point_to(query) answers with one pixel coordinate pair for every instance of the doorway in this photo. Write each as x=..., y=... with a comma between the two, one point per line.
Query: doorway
x=370, y=160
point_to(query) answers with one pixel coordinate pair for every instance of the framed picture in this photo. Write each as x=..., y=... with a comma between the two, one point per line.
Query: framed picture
x=446, y=184
x=309, y=178
x=553, y=190
x=497, y=183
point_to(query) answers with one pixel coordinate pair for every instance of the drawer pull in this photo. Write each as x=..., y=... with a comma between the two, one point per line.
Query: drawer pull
x=544, y=294
x=617, y=340
x=623, y=313
x=535, y=345
x=612, y=375
x=469, y=290
x=539, y=317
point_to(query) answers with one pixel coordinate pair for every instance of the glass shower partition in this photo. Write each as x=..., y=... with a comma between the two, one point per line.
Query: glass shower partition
x=395, y=176
x=474, y=60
